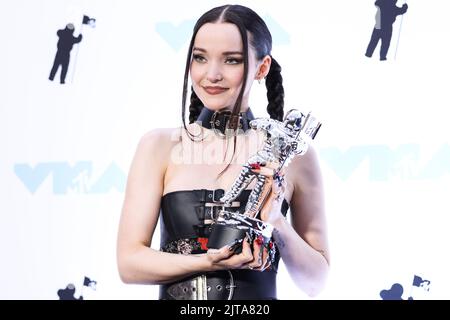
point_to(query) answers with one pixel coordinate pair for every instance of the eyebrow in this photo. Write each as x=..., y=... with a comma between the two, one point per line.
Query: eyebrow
x=226, y=53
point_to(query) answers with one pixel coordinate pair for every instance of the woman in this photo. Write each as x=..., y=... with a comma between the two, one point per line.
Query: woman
x=183, y=172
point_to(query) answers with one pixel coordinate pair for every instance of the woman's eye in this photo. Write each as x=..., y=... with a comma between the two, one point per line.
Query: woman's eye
x=199, y=58
x=233, y=61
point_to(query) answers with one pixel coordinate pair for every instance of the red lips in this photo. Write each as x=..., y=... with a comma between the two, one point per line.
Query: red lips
x=215, y=90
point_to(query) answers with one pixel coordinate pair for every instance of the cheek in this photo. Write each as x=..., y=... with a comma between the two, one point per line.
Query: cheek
x=196, y=76
x=195, y=73
x=235, y=77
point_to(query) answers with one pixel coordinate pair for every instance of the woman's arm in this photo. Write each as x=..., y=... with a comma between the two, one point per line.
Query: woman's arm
x=302, y=245
x=137, y=262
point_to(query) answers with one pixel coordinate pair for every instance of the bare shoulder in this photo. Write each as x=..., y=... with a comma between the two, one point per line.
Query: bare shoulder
x=306, y=170
x=158, y=142
x=155, y=146
x=161, y=137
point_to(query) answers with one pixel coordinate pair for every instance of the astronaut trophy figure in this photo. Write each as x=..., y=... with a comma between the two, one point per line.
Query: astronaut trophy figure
x=284, y=140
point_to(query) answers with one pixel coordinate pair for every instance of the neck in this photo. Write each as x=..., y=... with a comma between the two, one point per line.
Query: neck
x=219, y=121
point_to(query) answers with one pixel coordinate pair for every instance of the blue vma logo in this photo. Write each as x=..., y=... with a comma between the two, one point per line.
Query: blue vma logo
x=177, y=35
x=68, y=178
x=386, y=163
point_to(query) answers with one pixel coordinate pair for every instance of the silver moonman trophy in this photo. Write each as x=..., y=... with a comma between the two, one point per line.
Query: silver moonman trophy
x=284, y=140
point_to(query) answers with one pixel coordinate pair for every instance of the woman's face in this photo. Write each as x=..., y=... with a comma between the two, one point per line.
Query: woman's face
x=217, y=66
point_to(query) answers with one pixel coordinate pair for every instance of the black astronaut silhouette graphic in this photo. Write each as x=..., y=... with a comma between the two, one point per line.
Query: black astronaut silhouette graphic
x=419, y=286
x=387, y=12
x=65, y=45
x=68, y=293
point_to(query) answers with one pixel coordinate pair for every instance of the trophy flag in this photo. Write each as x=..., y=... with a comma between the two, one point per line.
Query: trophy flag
x=89, y=21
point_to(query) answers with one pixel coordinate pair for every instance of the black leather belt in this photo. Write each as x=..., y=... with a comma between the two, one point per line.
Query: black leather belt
x=223, y=285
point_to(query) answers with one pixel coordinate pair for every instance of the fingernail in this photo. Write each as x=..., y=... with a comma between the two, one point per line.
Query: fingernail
x=255, y=166
x=232, y=245
x=259, y=240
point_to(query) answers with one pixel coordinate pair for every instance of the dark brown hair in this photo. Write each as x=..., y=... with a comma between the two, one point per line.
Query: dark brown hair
x=249, y=21
x=261, y=40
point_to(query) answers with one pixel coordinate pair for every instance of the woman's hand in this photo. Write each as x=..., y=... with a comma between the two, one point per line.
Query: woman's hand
x=225, y=258
x=275, y=187
x=258, y=259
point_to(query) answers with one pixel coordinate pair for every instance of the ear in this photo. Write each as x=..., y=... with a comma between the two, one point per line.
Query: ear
x=263, y=68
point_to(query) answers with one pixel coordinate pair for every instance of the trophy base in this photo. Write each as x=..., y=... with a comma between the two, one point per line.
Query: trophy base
x=222, y=235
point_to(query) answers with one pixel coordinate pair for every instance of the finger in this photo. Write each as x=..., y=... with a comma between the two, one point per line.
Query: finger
x=225, y=252
x=246, y=256
x=259, y=164
x=237, y=261
x=265, y=168
x=267, y=265
x=268, y=172
x=275, y=199
x=258, y=251
x=264, y=258
x=272, y=164
x=216, y=255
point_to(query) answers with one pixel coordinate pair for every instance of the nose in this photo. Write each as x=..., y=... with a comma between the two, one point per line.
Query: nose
x=214, y=73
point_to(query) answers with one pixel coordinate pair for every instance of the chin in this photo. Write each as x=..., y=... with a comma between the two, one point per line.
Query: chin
x=215, y=105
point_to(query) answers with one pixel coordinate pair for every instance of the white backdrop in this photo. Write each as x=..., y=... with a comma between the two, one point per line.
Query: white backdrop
x=66, y=149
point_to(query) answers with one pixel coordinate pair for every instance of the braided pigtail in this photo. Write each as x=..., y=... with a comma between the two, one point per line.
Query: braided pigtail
x=195, y=107
x=275, y=91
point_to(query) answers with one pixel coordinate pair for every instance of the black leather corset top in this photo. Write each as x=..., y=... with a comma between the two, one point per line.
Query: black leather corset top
x=188, y=214
x=185, y=221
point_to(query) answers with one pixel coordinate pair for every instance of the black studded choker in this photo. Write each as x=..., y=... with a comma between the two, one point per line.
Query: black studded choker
x=218, y=121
